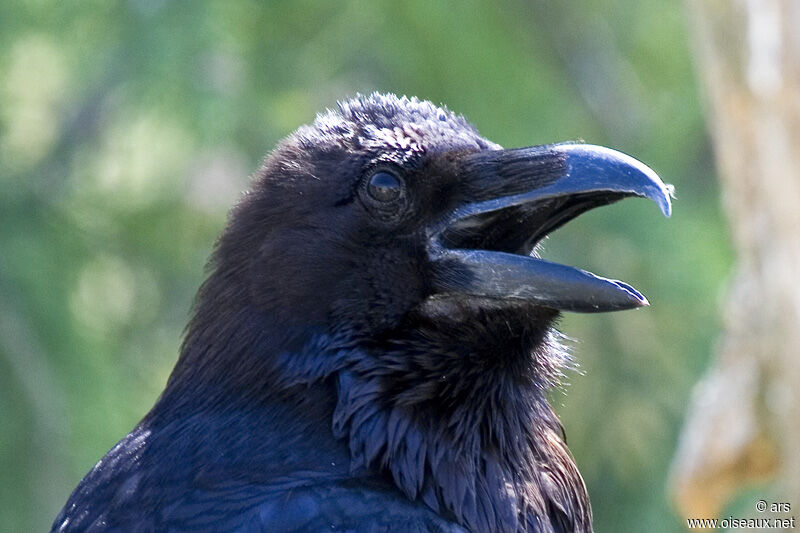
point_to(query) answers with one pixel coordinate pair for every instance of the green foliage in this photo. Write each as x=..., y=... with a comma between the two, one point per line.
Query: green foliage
x=128, y=128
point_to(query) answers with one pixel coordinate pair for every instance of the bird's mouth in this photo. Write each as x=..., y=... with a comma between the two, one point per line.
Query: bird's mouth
x=512, y=200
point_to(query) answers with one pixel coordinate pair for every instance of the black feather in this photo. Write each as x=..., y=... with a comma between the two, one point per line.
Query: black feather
x=321, y=385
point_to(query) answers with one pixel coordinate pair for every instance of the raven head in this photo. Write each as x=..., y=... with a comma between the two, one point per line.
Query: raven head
x=389, y=203
x=389, y=249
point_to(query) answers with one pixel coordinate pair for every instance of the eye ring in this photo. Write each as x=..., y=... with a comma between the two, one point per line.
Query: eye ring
x=384, y=194
x=384, y=187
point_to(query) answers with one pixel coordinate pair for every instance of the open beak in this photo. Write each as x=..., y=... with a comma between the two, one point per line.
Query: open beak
x=511, y=200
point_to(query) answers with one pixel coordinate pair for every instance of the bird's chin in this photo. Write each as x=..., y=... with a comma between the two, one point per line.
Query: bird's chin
x=469, y=320
x=484, y=250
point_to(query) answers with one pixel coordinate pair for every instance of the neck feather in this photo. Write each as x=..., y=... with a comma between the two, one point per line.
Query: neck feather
x=495, y=462
x=468, y=433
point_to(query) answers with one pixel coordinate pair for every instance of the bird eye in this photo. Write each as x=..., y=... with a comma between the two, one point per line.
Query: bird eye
x=384, y=187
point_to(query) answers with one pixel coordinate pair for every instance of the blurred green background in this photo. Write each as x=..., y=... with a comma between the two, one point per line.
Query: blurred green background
x=127, y=129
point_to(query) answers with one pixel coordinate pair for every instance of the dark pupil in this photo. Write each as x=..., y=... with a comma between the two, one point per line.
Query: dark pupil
x=383, y=187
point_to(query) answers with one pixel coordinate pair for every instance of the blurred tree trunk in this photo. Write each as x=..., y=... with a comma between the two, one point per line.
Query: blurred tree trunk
x=744, y=420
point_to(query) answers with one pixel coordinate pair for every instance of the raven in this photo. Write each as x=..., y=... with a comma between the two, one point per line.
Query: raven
x=374, y=343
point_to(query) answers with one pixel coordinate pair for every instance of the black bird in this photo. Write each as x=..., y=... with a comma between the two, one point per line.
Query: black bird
x=374, y=343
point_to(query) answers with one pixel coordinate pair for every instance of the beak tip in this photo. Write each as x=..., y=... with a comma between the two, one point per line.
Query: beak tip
x=632, y=175
x=665, y=197
x=635, y=299
x=666, y=206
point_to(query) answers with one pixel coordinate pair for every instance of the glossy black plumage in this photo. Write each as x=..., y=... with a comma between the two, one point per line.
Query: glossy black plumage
x=326, y=384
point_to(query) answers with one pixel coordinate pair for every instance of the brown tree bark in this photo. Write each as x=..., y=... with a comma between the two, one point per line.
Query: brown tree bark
x=744, y=419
